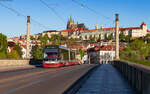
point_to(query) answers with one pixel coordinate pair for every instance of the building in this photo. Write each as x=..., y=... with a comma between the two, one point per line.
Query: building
x=72, y=29
x=24, y=48
x=50, y=33
x=97, y=33
x=72, y=25
x=134, y=32
x=107, y=53
x=93, y=55
x=11, y=45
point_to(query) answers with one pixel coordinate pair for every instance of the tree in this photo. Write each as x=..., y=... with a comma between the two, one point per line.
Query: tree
x=32, y=38
x=39, y=37
x=127, y=38
x=121, y=37
x=37, y=52
x=99, y=38
x=62, y=38
x=81, y=53
x=3, y=46
x=147, y=38
x=13, y=54
x=109, y=37
x=19, y=50
x=55, y=37
x=44, y=40
x=137, y=49
x=93, y=39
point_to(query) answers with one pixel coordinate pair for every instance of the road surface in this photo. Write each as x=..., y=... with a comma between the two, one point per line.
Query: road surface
x=41, y=81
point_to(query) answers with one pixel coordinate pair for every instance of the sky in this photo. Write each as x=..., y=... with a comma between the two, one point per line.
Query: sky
x=54, y=17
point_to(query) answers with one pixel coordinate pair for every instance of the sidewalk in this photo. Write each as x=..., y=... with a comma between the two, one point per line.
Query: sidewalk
x=11, y=68
x=106, y=80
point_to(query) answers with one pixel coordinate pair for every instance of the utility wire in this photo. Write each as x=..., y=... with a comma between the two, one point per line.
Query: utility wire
x=92, y=10
x=53, y=10
x=20, y=14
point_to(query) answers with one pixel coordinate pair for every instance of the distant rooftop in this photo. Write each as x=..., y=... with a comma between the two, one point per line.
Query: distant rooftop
x=51, y=31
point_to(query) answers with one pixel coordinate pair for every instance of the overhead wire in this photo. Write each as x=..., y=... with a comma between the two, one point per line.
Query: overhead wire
x=53, y=10
x=93, y=10
x=21, y=14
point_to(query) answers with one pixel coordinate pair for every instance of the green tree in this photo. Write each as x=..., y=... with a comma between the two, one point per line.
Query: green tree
x=3, y=46
x=62, y=38
x=81, y=53
x=13, y=54
x=127, y=38
x=37, y=52
x=93, y=39
x=19, y=50
x=137, y=49
x=32, y=38
x=121, y=37
x=55, y=37
x=39, y=37
x=147, y=38
x=109, y=37
x=99, y=38
x=44, y=40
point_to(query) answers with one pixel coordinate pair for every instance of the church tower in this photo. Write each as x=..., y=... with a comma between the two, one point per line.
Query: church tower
x=70, y=23
x=144, y=28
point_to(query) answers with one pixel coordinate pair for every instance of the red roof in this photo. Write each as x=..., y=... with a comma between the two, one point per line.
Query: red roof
x=143, y=23
x=51, y=45
x=107, y=48
x=24, y=46
x=98, y=29
x=121, y=29
x=64, y=31
x=11, y=44
x=130, y=28
x=103, y=29
x=110, y=48
x=69, y=30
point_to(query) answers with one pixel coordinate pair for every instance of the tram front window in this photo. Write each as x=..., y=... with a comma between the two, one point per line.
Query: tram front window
x=50, y=56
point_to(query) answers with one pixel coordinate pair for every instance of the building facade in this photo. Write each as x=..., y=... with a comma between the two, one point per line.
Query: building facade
x=97, y=33
x=134, y=32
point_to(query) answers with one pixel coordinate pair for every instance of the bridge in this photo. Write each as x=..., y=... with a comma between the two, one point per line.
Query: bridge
x=117, y=77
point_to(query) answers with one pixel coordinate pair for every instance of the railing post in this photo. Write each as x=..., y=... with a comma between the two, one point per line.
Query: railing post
x=140, y=82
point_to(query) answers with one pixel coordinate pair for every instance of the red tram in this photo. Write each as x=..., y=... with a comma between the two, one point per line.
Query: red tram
x=57, y=56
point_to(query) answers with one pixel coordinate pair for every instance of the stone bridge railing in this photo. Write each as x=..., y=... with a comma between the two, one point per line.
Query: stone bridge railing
x=17, y=62
x=138, y=75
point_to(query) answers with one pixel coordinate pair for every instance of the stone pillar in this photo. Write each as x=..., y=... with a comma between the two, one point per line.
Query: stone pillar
x=28, y=38
x=117, y=37
x=69, y=53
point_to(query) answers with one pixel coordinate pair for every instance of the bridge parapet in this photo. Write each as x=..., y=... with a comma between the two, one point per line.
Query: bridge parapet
x=138, y=75
x=18, y=62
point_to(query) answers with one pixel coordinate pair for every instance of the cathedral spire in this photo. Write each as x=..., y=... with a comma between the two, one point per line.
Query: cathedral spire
x=71, y=19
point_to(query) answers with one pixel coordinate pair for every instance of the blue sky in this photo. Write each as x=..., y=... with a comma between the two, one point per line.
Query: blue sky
x=131, y=13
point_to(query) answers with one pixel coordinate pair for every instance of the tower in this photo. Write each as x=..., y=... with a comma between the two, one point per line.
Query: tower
x=28, y=38
x=96, y=27
x=144, y=28
x=70, y=23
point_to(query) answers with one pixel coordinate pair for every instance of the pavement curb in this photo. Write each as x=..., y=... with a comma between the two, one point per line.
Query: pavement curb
x=77, y=84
